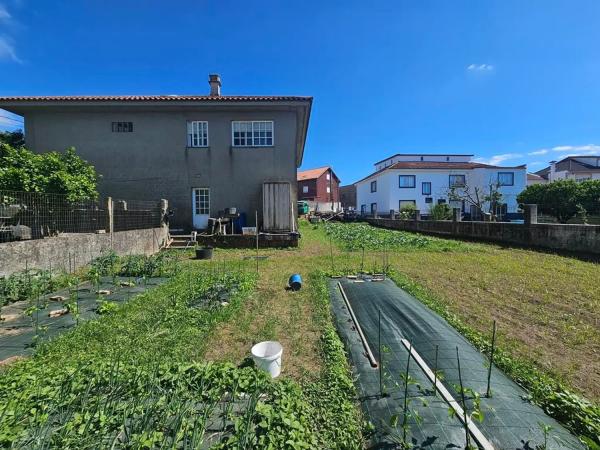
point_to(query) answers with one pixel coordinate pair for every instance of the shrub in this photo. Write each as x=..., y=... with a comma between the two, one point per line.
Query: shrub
x=441, y=211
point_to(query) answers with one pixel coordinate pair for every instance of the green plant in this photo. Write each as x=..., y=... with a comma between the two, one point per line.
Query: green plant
x=440, y=211
x=408, y=211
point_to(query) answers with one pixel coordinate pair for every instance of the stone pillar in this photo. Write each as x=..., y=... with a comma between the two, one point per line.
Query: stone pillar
x=531, y=215
x=456, y=215
x=417, y=214
x=111, y=219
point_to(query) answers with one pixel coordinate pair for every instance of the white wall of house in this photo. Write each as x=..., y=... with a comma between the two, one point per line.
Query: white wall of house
x=388, y=194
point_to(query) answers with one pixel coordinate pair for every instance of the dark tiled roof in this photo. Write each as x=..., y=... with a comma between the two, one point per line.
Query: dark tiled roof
x=422, y=154
x=439, y=165
x=155, y=98
x=571, y=164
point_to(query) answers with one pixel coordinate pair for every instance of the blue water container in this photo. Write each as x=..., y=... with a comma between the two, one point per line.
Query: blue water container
x=295, y=282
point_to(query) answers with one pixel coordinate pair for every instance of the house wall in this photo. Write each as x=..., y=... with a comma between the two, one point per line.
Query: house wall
x=573, y=238
x=154, y=161
x=389, y=193
x=317, y=189
x=348, y=196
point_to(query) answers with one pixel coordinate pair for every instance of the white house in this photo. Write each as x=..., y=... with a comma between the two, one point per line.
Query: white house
x=425, y=180
x=578, y=168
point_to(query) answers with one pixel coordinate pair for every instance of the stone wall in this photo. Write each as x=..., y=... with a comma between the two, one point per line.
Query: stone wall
x=74, y=250
x=574, y=238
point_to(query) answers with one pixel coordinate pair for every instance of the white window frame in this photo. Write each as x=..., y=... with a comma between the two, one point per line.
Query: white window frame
x=197, y=133
x=254, y=127
x=328, y=177
x=305, y=189
x=328, y=189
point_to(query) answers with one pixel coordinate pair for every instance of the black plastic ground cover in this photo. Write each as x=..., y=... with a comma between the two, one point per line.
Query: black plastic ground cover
x=20, y=331
x=510, y=420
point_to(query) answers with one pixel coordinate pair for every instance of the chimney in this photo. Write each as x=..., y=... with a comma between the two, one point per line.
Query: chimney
x=552, y=173
x=215, y=85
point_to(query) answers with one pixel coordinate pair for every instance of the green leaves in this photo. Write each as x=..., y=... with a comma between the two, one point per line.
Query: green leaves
x=50, y=172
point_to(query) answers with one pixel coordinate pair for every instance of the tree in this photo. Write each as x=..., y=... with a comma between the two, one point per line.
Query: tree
x=563, y=199
x=12, y=138
x=51, y=172
x=481, y=198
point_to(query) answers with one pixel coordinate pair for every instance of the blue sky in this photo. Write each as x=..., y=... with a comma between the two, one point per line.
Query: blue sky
x=511, y=81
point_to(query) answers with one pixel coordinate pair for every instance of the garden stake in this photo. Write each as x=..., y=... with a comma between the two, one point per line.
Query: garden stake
x=380, y=355
x=488, y=392
x=405, y=418
x=256, y=222
x=464, y=406
x=362, y=260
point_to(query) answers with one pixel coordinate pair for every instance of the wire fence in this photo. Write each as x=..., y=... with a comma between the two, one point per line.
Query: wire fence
x=31, y=215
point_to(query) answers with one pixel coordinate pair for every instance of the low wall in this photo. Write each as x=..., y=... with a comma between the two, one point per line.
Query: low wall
x=247, y=241
x=574, y=238
x=75, y=250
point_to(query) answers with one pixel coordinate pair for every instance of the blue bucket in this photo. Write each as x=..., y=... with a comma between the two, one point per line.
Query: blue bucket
x=295, y=282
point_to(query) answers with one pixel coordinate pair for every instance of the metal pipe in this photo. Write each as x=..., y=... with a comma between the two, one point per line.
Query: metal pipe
x=370, y=356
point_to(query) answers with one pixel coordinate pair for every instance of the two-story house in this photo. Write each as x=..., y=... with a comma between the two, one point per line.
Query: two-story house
x=424, y=180
x=320, y=188
x=203, y=153
x=578, y=168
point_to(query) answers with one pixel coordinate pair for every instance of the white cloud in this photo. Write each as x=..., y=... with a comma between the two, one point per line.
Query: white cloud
x=4, y=14
x=537, y=164
x=480, y=67
x=497, y=159
x=539, y=152
x=7, y=50
x=569, y=150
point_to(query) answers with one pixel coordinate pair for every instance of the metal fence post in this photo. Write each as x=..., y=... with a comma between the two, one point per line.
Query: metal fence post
x=111, y=220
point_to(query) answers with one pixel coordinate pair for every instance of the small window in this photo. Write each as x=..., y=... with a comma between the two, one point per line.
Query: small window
x=328, y=190
x=374, y=186
x=305, y=189
x=421, y=158
x=428, y=199
x=406, y=181
x=122, y=127
x=197, y=132
x=441, y=201
x=447, y=158
x=404, y=203
x=506, y=178
x=328, y=177
x=257, y=133
x=426, y=188
x=373, y=208
x=363, y=209
x=457, y=181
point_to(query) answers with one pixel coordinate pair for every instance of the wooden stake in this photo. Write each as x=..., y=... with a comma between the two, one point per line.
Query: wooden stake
x=405, y=418
x=488, y=392
x=256, y=218
x=380, y=354
x=435, y=370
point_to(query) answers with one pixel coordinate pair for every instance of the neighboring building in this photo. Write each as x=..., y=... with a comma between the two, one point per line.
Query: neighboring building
x=348, y=196
x=533, y=178
x=203, y=153
x=425, y=180
x=578, y=168
x=320, y=188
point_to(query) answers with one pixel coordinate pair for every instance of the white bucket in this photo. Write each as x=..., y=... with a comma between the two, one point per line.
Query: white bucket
x=267, y=357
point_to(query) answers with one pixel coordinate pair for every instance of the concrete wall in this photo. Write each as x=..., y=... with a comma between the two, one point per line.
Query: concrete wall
x=575, y=238
x=154, y=161
x=77, y=249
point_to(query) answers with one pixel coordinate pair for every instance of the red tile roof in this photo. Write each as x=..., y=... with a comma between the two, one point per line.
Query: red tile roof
x=311, y=174
x=419, y=165
x=154, y=98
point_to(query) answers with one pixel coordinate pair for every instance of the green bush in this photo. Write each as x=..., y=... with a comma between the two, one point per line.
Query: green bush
x=441, y=211
x=563, y=199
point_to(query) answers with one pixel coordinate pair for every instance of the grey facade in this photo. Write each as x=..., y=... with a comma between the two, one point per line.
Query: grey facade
x=155, y=161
